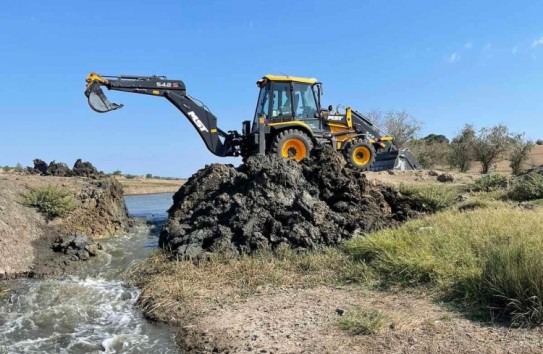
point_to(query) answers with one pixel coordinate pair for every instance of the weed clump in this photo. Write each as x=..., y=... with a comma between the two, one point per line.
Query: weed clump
x=51, y=201
x=362, y=321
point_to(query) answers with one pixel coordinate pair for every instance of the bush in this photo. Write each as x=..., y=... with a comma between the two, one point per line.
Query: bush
x=528, y=187
x=430, y=154
x=51, y=201
x=490, y=146
x=539, y=142
x=491, y=183
x=428, y=198
x=148, y=175
x=489, y=257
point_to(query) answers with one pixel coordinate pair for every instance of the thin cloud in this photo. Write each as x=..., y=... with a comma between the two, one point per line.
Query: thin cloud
x=538, y=42
x=453, y=58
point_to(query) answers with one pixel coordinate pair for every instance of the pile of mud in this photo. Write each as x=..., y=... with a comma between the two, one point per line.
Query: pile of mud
x=269, y=201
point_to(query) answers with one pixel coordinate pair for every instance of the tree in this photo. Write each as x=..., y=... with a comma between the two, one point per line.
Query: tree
x=148, y=175
x=399, y=124
x=436, y=138
x=117, y=173
x=6, y=168
x=519, y=152
x=461, y=148
x=491, y=145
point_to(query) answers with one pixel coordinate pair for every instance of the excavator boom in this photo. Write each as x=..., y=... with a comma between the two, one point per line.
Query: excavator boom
x=217, y=141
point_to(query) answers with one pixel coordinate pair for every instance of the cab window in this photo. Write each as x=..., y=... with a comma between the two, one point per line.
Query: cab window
x=263, y=103
x=282, y=101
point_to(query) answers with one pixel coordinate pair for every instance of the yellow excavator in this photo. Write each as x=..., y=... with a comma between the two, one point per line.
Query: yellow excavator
x=289, y=121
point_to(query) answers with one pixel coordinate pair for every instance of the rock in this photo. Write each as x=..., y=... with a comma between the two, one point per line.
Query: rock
x=340, y=311
x=270, y=202
x=59, y=169
x=433, y=173
x=78, y=246
x=84, y=169
x=40, y=166
x=445, y=178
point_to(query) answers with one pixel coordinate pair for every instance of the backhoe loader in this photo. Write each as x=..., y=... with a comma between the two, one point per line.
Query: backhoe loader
x=289, y=121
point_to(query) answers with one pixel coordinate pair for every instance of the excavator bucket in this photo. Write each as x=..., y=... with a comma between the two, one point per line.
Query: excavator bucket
x=402, y=160
x=98, y=100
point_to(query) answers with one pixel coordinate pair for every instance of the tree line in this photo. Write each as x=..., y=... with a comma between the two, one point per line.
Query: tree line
x=487, y=145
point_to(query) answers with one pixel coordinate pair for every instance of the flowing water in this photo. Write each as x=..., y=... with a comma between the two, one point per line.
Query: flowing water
x=91, y=311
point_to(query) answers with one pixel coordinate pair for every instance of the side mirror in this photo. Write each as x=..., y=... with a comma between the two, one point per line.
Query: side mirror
x=330, y=108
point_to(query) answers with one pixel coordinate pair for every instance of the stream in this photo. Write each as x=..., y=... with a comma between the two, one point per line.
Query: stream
x=92, y=310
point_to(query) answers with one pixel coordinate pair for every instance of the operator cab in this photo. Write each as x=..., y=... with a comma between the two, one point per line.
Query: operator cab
x=287, y=98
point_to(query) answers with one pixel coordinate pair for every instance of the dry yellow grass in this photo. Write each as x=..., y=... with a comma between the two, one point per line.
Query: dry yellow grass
x=149, y=185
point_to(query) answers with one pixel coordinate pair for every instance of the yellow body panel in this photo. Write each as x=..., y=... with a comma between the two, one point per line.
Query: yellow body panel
x=297, y=122
x=290, y=78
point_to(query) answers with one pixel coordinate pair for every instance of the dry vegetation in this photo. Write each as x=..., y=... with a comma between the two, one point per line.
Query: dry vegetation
x=481, y=256
x=137, y=186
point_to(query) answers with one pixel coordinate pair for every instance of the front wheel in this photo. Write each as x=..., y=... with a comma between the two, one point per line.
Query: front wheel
x=361, y=155
x=292, y=144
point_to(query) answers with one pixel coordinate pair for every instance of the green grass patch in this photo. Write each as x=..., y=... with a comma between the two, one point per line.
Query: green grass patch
x=51, y=201
x=429, y=197
x=491, y=257
x=361, y=321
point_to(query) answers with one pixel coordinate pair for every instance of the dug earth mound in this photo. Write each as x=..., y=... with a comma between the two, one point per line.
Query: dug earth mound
x=269, y=202
x=32, y=244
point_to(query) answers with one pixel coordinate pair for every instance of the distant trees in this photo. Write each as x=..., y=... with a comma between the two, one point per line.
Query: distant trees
x=148, y=175
x=399, y=124
x=117, y=173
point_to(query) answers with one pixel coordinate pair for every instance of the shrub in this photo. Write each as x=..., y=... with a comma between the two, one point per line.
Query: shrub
x=148, y=175
x=428, y=198
x=539, y=142
x=51, y=201
x=528, y=187
x=6, y=168
x=489, y=257
x=491, y=183
x=430, y=153
x=364, y=321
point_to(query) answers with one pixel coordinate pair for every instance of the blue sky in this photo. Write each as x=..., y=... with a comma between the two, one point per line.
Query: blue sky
x=446, y=62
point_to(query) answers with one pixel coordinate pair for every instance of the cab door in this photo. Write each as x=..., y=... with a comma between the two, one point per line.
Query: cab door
x=305, y=105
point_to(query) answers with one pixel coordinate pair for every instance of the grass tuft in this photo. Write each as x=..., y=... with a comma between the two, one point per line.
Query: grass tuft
x=361, y=321
x=51, y=201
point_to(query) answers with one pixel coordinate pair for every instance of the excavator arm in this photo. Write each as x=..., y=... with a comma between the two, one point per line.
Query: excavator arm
x=217, y=141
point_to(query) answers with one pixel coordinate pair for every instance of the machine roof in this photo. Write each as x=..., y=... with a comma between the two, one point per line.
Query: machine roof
x=290, y=78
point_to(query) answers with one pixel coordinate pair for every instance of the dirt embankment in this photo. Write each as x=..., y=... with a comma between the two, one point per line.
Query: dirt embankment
x=27, y=237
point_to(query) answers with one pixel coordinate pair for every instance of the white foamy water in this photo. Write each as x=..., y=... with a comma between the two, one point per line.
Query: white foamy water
x=90, y=312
